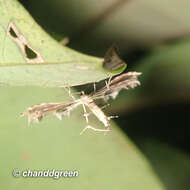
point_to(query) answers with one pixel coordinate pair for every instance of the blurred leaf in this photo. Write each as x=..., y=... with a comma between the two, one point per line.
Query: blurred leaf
x=124, y=22
x=165, y=78
x=171, y=164
x=30, y=57
x=103, y=162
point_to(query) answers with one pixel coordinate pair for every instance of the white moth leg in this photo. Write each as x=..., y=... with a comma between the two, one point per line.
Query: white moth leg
x=94, y=85
x=85, y=113
x=111, y=117
x=109, y=80
x=69, y=92
x=94, y=129
x=108, y=83
x=103, y=107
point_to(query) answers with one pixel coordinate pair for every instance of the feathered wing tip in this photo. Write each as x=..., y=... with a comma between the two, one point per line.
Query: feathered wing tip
x=61, y=114
x=33, y=116
x=37, y=112
x=125, y=77
x=132, y=81
x=123, y=81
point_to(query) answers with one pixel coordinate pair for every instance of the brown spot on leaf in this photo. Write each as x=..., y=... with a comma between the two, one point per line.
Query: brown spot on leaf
x=30, y=55
x=12, y=33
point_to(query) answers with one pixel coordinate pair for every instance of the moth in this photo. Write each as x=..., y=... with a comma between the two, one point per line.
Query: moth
x=59, y=109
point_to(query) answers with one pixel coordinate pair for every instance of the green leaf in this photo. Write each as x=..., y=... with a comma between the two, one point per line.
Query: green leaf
x=103, y=161
x=30, y=57
x=171, y=164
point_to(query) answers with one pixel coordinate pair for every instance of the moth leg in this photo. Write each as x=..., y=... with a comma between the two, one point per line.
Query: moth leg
x=103, y=107
x=85, y=113
x=94, y=129
x=108, y=83
x=94, y=85
x=109, y=80
x=111, y=117
x=68, y=89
